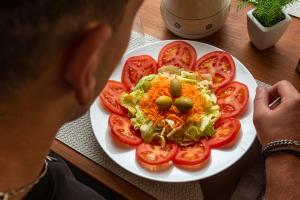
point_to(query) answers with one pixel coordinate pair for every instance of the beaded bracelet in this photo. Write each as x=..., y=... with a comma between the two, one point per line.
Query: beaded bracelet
x=281, y=146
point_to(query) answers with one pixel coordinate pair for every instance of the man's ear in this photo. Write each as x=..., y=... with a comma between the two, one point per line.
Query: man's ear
x=83, y=60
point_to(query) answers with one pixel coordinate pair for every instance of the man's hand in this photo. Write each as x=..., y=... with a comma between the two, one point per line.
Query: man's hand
x=283, y=122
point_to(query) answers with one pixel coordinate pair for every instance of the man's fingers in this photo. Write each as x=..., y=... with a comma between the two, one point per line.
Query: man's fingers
x=261, y=101
x=283, y=89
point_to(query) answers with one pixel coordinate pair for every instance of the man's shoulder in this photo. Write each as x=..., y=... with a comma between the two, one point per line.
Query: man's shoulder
x=60, y=184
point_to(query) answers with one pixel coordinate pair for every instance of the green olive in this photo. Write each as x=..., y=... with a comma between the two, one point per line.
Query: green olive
x=164, y=102
x=146, y=86
x=184, y=104
x=175, y=87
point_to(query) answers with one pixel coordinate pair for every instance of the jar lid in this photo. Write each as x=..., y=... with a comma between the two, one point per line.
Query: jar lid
x=195, y=9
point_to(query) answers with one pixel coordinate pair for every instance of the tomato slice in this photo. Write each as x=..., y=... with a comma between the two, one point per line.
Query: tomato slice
x=110, y=97
x=227, y=131
x=156, y=154
x=232, y=99
x=194, y=156
x=219, y=65
x=154, y=167
x=136, y=67
x=123, y=130
x=178, y=53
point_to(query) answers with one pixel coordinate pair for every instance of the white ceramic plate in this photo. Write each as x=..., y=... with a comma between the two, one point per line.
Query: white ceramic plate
x=220, y=159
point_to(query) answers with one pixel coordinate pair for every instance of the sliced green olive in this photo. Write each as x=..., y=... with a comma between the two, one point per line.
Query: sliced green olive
x=175, y=87
x=184, y=104
x=147, y=136
x=192, y=132
x=128, y=98
x=164, y=102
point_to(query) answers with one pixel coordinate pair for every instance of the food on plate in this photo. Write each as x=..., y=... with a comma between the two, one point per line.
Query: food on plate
x=175, y=87
x=164, y=102
x=136, y=67
x=110, y=97
x=184, y=104
x=219, y=65
x=162, y=117
x=156, y=157
x=178, y=53
x=123, y=130
x=233, y=99
x=227, y=131
x=177, y=110
x=194, y=156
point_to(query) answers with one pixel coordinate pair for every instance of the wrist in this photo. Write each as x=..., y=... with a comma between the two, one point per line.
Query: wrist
x=282, y=172
x=283, y=145
x=281, y=159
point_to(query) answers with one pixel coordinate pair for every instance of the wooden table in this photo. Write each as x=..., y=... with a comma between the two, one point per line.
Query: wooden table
x=270, y=66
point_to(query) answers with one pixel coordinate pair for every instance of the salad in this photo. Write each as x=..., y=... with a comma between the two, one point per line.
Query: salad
x=176, y=109
x=173, y=105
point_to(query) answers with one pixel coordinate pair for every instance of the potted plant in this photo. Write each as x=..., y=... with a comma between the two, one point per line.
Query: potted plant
x=267, y=21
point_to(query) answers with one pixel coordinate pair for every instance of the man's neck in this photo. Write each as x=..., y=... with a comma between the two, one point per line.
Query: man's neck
x=25, y=142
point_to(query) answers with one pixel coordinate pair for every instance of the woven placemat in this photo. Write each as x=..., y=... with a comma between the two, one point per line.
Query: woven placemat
x=79, y=136
x=294, y=9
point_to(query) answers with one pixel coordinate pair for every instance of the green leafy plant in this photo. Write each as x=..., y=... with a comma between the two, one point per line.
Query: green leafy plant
x=267, y=12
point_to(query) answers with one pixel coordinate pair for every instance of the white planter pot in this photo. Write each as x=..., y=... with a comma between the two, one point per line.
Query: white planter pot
x=265, y=37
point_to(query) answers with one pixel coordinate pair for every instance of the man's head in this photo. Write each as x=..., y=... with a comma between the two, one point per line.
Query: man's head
x=60, y=50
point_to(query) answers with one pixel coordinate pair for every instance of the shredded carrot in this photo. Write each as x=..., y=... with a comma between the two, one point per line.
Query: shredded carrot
x=160, y=87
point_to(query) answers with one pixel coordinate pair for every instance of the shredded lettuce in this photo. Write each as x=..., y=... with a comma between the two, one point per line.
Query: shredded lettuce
x=170, y=122
x=146, y=132
x=131, y=100
x=149, y=132
x=144, y=83
x=188, y=75
x=170, y=69
x=209, y=131
x=193, y=132
x=139, y=119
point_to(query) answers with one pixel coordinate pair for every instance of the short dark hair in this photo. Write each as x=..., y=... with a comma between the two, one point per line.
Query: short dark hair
x=32, y=29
